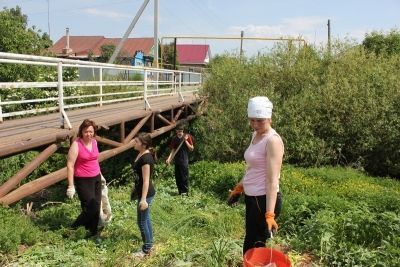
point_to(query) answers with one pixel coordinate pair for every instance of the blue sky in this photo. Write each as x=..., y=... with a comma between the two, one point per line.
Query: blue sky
x=257, y=18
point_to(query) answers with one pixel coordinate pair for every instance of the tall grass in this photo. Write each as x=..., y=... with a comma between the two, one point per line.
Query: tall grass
x=331, y=217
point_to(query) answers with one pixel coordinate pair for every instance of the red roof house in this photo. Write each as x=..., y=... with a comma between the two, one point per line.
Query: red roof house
x=193, y=54
x=80, y=46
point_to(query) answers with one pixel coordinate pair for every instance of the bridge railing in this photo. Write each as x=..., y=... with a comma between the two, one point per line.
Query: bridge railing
x=49, y=84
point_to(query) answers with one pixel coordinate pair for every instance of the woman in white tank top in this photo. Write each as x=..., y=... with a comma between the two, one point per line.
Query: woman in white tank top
x=261, y=180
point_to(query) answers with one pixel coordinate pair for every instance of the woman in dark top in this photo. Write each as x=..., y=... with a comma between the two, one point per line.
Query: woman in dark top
x=180, y=146
x=143, y=170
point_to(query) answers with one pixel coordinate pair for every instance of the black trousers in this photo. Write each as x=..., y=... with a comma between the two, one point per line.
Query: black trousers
x=256, y=227
x=89, y=193
x=182, y=177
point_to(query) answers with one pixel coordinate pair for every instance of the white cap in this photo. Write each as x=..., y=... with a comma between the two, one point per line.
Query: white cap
x=259, y=107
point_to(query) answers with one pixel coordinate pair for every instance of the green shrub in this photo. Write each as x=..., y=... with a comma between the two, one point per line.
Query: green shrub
x=11, y=165
x=16, y=230
x=340, y=108
x=342, y=216
x=215, y=177
x=56, y=217
x=338, y=216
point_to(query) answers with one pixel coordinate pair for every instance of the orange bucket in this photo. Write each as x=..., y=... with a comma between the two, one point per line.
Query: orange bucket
x=262, y=257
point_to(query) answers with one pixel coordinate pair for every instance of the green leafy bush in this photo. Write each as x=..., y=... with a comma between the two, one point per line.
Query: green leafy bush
x=15, y=230
x=336, y=216
x=339, y=108
x=11, y=165
x=216, y=178
x=344, y=217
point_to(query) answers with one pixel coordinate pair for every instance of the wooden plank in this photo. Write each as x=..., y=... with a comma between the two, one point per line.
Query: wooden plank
x=24, y=134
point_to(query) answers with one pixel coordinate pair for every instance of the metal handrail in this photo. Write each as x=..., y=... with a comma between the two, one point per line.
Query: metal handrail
x=151, y=82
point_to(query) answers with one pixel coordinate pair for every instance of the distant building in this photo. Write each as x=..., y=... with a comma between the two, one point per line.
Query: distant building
x=192, y=57
x=86, y=47
x=136, y=51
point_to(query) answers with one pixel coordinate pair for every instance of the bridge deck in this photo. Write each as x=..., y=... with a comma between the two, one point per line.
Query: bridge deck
x=27, y=133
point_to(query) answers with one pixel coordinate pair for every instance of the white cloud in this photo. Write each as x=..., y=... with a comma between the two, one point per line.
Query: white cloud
x=258, y=30
x=105, y=14
x=312, y=29
x=304, y=24
x=293, y=27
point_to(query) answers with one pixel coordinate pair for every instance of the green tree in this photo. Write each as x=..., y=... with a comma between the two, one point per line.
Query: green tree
x=106, y=52
x=382, y=43
x=339, y=108
x=91, y=55
x=168, y=56
x=16, y=37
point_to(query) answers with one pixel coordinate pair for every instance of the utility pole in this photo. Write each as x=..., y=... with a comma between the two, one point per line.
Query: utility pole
x=156, y=33
x=128, y=31
x=241, y=43
x=48, y=16
x=329, y=36
x=174, y=54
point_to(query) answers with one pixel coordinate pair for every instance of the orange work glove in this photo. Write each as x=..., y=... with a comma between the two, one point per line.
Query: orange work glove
x=270, y=220
x=234, y=194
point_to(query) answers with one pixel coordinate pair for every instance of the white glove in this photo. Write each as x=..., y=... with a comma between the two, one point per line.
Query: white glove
x=103, y=182
x=71, y=191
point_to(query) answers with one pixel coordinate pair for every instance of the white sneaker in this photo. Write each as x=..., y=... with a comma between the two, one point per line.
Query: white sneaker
x=140, y=254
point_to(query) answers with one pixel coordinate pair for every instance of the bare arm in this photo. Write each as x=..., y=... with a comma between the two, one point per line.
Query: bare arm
x=188, y=144
x=146, y=181
x=168, y=161
x=274, y=163
x=72, y=155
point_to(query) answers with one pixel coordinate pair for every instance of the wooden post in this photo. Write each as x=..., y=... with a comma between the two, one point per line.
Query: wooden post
x=28, y=169
x=152, y=123
x=122, y=131
x=108, y=141
x=136, y=129
x=161, y=117
x=57, y=176
x=178, y=114
x=1, y=112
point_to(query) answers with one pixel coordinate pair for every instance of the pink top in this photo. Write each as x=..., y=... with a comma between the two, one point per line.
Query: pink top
x=87, y=163
x=254, y=180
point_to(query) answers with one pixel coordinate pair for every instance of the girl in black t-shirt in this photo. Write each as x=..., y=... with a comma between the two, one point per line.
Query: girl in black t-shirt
x=143, y=169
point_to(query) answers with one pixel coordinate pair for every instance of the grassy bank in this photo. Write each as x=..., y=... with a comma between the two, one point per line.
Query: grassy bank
x=331, y=217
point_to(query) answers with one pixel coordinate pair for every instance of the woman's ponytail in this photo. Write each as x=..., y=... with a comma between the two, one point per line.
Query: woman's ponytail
x=153, y=152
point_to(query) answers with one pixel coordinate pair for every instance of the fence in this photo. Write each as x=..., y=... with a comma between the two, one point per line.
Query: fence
x=51, y=84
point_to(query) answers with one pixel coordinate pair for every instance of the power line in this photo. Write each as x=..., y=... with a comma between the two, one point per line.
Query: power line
x=176, y=15
x=207, y=12
x=79, y=8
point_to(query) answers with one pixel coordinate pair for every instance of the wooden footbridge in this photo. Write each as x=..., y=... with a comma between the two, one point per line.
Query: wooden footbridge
x=44, y=115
